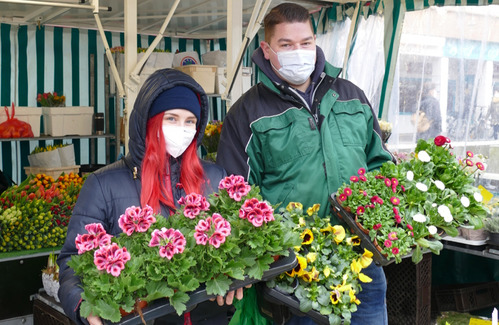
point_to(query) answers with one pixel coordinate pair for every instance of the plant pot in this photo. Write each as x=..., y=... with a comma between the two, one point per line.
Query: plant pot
x=50, y=285
x=473, y=234
x=139, y=305
x=360, y=226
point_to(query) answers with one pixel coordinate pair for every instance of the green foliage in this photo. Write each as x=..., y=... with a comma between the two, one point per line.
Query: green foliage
x=246, y=254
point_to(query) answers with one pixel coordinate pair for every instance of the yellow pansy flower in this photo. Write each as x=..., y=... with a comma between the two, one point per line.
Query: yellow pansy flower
x=353, y=298
x=294, y=205
x=327, y=271
x=356, y=267
x=364, y=278
x=354, y=240
x=307, y=236
x=335, y=297
x=366, y=258
x=339, y=234
x=315, y=208
x=311, y=257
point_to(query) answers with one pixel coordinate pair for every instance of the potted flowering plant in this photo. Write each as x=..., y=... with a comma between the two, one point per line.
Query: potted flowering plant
x=402, y=207
x=51, y=99
x=212, y=138
x=329, y=271
x=208, y=243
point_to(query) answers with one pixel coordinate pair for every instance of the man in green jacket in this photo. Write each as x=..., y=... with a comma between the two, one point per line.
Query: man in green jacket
x=302, y=132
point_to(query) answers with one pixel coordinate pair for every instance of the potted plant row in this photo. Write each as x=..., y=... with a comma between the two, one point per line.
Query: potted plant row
x=403, y=209
x=209, y=246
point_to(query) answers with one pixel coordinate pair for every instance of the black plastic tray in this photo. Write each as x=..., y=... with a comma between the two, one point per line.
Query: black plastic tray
x=365, y=240
x=162, y=307
x=274, y=296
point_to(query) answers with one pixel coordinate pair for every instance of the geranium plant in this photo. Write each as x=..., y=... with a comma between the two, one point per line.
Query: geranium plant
x=329, y=274
x=403, y=207
x=212, y=241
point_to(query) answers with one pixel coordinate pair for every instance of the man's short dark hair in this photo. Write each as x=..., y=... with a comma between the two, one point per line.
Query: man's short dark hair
x=284, y=13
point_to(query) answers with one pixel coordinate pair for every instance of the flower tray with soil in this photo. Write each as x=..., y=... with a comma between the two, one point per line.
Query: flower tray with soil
x=365, y=241
x=162, y=307
x=279, y=298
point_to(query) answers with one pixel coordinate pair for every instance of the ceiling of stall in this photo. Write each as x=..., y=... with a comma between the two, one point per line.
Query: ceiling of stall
x=192, y=19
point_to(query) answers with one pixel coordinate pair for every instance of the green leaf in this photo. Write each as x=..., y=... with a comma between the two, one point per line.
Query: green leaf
x=305, y=305
x=334, y=319
x=218, y=286
x=178, y=301
x=262, y=264
x=417, y=255
x=158, y=290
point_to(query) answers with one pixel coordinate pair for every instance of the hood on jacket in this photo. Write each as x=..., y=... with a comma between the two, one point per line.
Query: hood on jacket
x=157, y=83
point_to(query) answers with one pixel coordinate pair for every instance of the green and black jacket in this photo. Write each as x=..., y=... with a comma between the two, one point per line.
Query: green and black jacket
x=297, y=151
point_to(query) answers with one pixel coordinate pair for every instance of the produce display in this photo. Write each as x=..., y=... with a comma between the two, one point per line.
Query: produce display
x=35, y=213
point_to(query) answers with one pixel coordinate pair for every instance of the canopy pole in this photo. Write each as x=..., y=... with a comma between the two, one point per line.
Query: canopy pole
x=135, y=73
x=353, y=26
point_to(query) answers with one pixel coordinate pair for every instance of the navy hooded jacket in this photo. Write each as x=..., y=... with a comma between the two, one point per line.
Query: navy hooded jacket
x=107, y=193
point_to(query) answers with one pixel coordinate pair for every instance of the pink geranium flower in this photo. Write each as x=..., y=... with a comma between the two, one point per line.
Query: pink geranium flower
x=111, y=258
x=170, y=242
x=136, y=219
x=95, y=238
x=256, y=212
x=194, y=204
x=236, y=187
x=212, y=230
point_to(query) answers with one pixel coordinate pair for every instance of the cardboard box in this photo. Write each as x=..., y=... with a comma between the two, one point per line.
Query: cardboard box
x=31, y=115
x=221, y=79
x=71, y=120
x=203, y=74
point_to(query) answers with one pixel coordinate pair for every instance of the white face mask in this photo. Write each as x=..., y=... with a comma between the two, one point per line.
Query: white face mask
x=296, y=65
x=177, y=139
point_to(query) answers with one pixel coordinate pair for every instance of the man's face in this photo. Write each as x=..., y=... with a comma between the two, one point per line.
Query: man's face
x=288, y=37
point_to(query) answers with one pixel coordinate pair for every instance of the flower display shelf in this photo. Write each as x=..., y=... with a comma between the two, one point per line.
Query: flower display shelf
x=274, y=296
x=365, y=242
x=161, y=307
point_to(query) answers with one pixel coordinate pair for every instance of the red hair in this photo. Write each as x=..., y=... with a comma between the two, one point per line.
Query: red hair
x=155, y=175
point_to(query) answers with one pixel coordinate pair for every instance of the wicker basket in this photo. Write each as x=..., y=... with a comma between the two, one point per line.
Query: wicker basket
x=54, y=172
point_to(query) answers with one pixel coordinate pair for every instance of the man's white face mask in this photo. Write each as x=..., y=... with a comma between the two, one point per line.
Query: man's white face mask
x=177, y=139
x=296, y=65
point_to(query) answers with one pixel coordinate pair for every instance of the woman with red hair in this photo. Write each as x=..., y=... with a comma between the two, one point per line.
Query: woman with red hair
x=162, y=165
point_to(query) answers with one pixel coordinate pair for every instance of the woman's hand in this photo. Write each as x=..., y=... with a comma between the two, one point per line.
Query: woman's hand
x=94, y=320
x=229, y=298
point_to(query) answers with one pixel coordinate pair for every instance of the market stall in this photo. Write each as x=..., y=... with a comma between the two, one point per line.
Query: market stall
x=97, y=54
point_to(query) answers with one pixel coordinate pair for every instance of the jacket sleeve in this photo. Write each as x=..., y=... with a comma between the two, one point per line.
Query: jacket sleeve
x=376, y=151
x=235, y=135
x=89, y=208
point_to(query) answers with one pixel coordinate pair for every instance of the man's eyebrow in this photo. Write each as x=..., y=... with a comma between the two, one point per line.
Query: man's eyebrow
x=287, y=40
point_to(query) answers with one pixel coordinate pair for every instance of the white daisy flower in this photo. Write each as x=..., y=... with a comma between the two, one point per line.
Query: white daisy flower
x=424, y=156
x=478, y=197
x=409, y=175
x=465, y=201
x=432, y=230
x=444, y=212
x=434, y=205
x=419, y=217
x=440, y=185
x=422, y=187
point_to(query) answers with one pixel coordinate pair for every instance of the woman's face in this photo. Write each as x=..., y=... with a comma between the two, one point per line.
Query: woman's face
x=179, y=117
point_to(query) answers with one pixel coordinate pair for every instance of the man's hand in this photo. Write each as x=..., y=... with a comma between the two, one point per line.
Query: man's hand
x=94, y=320
x=229, y=298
